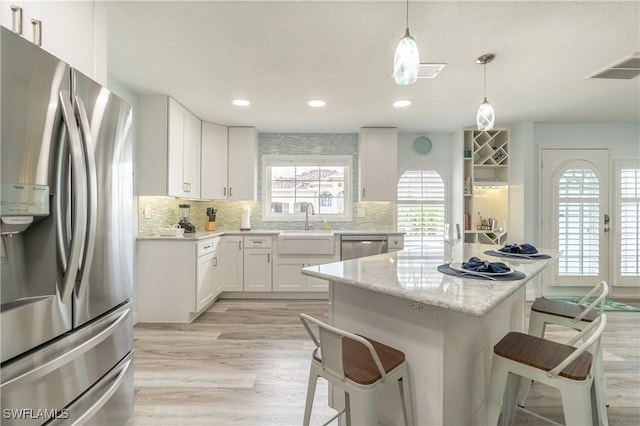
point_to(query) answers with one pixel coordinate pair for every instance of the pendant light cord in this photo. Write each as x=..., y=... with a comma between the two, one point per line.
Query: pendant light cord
x=407, y=14
x=485, y=80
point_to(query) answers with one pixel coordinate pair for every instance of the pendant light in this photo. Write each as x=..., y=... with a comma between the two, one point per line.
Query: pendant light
x=486, y=116
x=406, y=61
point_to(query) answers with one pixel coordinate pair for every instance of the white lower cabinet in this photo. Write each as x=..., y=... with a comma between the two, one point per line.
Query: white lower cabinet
x=231, y=263
x=176, y=280
x=257, y=269
x=207, y=274
x=245, y=263
x=287, y=275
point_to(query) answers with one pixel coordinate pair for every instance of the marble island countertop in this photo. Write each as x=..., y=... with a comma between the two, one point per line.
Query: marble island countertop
x=415, y=278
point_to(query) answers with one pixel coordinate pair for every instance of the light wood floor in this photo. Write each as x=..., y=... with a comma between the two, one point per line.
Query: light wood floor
x=246, y=362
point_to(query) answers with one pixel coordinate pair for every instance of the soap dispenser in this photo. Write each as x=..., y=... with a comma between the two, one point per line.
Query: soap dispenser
x=325, y=225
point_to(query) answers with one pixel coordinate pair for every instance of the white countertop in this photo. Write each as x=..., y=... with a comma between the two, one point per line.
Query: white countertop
x=416, y=278
x=210, y=234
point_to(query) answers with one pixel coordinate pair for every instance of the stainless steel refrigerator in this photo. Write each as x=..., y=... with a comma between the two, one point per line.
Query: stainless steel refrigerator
x=66, y=325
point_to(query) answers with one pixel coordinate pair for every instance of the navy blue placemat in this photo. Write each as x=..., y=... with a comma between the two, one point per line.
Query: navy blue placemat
x=511, y=255
x=515, y=275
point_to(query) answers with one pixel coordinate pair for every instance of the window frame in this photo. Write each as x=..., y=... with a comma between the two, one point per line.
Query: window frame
x=271, y=160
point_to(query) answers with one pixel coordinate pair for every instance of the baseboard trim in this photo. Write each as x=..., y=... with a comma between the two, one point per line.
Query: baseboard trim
x=301, y=295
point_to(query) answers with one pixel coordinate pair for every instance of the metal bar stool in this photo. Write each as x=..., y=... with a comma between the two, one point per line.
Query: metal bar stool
x=563, y=366
x=577, y=317
x=361, y=367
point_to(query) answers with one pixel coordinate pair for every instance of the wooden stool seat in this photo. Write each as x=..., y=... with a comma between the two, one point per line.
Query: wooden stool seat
x=543, y=354
x=359, y=365
x=562, y=309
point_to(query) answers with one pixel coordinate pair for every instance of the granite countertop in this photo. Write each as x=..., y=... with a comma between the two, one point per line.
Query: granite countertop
x=416, y=278
x=204, y=234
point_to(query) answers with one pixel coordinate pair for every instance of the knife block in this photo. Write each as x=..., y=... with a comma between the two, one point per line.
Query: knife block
x=209, y=226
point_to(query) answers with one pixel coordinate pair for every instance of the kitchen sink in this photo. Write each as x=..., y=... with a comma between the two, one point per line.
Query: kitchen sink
x=306, y=242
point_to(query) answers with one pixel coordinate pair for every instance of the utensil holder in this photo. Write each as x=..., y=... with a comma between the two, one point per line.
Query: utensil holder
x=209, y=226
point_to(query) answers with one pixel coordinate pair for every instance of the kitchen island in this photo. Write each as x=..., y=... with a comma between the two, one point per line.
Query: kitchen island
x=446, y=325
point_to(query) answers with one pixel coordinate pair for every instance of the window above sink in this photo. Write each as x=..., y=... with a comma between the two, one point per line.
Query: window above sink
x=291, y=182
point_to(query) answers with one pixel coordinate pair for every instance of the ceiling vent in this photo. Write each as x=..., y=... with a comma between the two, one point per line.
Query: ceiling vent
x=430, y=70
x=624, y=69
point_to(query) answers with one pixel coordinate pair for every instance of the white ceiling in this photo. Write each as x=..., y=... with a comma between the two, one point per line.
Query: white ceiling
x=279, y=55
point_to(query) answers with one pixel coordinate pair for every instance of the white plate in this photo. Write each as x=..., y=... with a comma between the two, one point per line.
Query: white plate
x=458, y=267
x=526, y=256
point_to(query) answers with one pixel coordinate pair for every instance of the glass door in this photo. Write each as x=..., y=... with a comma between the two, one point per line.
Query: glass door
x=590, y=209
x=576, y=215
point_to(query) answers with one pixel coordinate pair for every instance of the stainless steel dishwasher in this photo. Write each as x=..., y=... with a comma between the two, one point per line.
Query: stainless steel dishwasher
x=354, y=246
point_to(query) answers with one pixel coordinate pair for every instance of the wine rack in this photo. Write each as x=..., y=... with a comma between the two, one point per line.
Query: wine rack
x=486, y=184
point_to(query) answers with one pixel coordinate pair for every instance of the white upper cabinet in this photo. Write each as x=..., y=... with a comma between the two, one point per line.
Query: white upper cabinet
x=213, y=175
x=243, y=163
x=378, y=164
x=66, y=29
x=229, y=162
x=169, y=150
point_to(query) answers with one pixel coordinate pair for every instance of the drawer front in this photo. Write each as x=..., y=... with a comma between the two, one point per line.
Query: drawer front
x=257, y=241
x=207, y=246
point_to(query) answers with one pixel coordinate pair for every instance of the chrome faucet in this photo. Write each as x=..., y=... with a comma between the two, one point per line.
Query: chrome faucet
x=306, y=217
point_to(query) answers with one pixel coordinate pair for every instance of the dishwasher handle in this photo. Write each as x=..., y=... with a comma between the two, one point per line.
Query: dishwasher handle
x=364, y=238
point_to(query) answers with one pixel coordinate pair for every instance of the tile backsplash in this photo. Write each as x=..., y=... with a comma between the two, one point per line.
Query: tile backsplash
x=164, y=211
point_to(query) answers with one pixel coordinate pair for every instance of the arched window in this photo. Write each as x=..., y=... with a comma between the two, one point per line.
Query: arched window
x=325, y=199
x=421, y=211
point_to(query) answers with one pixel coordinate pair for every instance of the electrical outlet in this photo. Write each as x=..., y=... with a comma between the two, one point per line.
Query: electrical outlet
x=147, y=212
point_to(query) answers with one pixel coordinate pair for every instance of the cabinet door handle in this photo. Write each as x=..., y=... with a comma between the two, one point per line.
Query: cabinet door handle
x=363, y=192
x=224, y=191
x=239, y=245
x=215, y=261
x=268, y=257
x=230, y=189
x=37, y=31
x=16, y=21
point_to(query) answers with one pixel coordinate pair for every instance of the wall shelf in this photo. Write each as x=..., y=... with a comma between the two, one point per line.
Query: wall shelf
x=486, y=184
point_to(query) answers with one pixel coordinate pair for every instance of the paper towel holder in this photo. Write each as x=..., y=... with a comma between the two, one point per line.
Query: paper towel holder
x=245, y=223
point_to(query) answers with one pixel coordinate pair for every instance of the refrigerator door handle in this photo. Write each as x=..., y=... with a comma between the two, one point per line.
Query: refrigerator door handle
x=46, y=368
x=59, y=202
x=78, y=201
x=92, y=190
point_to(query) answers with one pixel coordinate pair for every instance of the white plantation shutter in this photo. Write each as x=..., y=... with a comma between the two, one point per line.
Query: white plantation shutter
x=421, y=201
x=629, y=220
x=578, y=223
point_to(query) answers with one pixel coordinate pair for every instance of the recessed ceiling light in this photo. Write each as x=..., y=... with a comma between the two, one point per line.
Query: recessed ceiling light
x=241, y=102
x=316, y=103
x=401, y=104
